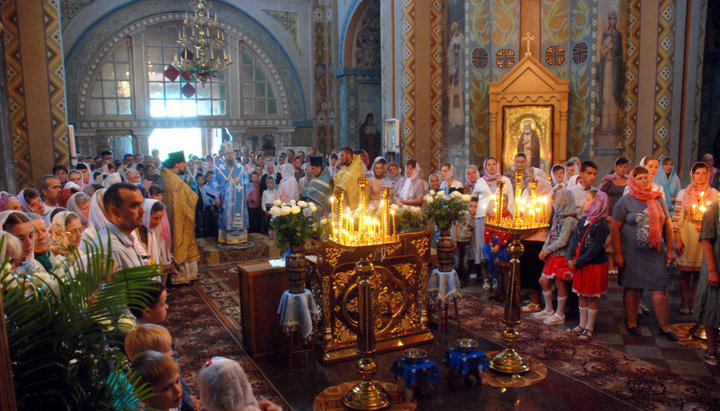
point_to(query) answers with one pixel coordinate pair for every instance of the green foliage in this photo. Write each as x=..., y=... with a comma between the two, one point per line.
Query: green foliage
x=64, y=333
x=410, y=219
x=445, y=210
x=294, y=223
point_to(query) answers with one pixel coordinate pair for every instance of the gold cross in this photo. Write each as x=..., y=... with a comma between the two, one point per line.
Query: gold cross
x=528, y=37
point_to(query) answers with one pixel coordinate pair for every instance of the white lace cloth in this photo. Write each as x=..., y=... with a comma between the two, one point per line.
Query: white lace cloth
x=444, y=287
x=298, y=312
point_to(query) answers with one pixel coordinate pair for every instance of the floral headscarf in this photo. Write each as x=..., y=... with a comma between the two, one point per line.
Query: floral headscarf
x=656, y=215
x=598, y=208
x=692, y=194
x=59, y=241
x=564, y=204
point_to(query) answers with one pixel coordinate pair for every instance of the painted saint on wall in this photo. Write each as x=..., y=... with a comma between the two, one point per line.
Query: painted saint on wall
x=610, y=73
x=370, y=136
x=456, y=48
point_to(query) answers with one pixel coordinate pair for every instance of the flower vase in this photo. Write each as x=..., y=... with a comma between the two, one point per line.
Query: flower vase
x=445, y=249
x=295, y=266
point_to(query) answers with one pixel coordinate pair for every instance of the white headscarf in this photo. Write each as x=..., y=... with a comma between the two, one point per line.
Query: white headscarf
x=372, y=167
x=11, y=245
x=59, y=241
x=72, y=205
x=406, y=191
x=450, y=176
x=159, y=239
x=23, y=204
x=288, y=187
x=96, y=215
x=113, y=178
x=71, y=185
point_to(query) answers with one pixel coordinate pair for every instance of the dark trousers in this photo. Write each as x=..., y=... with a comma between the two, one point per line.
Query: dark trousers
x=255, y=215
x=462, y=260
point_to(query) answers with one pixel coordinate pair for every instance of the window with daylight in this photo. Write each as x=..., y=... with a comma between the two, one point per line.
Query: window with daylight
x=167, y=98
x=111, y=92
x=258, y=95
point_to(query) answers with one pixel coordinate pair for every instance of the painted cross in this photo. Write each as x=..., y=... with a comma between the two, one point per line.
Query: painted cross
x=528, y=37
x=580, y=52
x=505, y=58
x=555, y=55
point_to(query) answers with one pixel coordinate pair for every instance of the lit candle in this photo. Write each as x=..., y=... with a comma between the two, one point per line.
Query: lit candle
x=392, y=213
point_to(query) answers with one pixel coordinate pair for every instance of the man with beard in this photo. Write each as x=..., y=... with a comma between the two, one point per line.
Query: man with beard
x=346, y=180
x=529, y=144
x=230, y=187
x=181, y=201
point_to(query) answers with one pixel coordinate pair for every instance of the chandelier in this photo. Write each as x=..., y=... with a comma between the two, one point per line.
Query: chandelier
x=201, y=37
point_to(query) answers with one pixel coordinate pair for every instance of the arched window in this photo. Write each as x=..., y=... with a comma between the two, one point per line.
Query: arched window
x=111, y=91
x=257, y=92
x=178, y=98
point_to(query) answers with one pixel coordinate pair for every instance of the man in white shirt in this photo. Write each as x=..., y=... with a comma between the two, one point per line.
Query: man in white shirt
x=123, y=205
x=588, y=174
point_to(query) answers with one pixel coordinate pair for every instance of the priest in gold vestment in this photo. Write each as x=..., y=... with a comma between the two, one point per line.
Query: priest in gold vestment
x=180, y=200
x=346, y=180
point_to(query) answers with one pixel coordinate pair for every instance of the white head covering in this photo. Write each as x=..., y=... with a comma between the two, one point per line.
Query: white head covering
x=372, y=167
x=113, y=178
x=450, y=176
x=72, y=205
x=11, y=246
x=23, y=204
x=59, y=241
x=159, y=239
x=70, y=185
x=96, y=215
x=3, y=218
x=289, y=189
x=406, y=190
x=225, y=386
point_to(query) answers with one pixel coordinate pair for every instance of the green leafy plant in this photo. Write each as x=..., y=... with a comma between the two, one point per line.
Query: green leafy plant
x=409, y=218
x=294, y=222
x=64, y=332
x=445, y=210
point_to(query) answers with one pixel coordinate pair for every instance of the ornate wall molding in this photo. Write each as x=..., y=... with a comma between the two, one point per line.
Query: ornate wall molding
x=324, y=88
x=408, y=81
x=56, y=80
x=137, y=14
x=663, y=80
x=632, y=66
x=436, y=84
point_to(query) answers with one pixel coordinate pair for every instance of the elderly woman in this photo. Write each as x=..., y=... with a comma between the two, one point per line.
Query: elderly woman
x=471, y=178
x=433, y=182
x=640, y=221
x=686, y=222
x=9, y=202
x=225, y=387
x=79, y=204
x=410, y=189
x=96, y=216
x=65, y=233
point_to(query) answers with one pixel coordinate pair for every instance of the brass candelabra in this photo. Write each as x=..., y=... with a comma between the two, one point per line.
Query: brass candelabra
x=528, y=217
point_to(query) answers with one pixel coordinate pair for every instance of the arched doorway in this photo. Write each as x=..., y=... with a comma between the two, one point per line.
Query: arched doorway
x=359, y=80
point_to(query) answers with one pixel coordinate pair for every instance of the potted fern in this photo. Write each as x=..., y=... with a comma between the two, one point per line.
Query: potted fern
x=64, y=331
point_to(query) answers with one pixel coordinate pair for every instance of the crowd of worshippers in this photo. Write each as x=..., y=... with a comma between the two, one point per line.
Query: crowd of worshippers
x=632, y=225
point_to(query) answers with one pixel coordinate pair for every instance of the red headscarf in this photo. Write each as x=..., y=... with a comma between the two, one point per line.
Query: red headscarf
x=655, y=212
x=692, y=194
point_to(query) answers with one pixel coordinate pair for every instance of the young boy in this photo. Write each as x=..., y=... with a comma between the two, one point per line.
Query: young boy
x=464, y=233
x=157, y=307
x=161, y=373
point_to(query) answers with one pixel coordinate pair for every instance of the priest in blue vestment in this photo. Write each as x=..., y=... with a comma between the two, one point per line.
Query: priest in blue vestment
x=318, y=190
x=230, y=186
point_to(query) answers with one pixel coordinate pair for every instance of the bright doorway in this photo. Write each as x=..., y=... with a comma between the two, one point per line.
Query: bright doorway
x=168, y=140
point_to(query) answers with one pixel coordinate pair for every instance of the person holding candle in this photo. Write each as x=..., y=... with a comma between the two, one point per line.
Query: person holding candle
x=641, y=221
x=587, y=258
x=486, y=189
x=553, y=254
x=690, y=205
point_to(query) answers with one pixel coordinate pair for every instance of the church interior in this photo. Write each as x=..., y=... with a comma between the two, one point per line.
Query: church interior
x=364, y=312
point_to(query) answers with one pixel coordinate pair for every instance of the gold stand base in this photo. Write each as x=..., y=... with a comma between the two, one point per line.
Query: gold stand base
x=367, y=395
x=508, y=361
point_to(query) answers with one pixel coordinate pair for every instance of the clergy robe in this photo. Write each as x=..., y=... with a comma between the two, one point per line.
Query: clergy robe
x=230, y=184
x=319, y=192
x=181, y=200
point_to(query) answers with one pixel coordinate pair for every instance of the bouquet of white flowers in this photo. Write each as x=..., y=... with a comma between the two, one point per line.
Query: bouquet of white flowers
x=445, y=210
x=293, y=222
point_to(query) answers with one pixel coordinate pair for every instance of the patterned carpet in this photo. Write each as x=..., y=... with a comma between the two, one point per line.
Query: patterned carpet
x=620, y=375
x=218, y=286
x=198, y=335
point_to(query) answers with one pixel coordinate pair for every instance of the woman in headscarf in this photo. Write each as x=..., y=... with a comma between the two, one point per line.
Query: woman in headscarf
x=553, y=253
x=113, y=178
x=471, y=178
x=449, y=184
x=11, y=250
x=410, y=189
x=9, y=202
x=96, y=216
x=587, y=258
x=30, y=201
x=19, y=225
x=485, y=187
x=433, y=183
x=669, y=181
x=375, y=184
x=530, y=261
x=572, y=169
x=687, y=218
x=288, y=188
x=155, y=236
x=641, y=221
x=79, y=204
x=65, y=233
